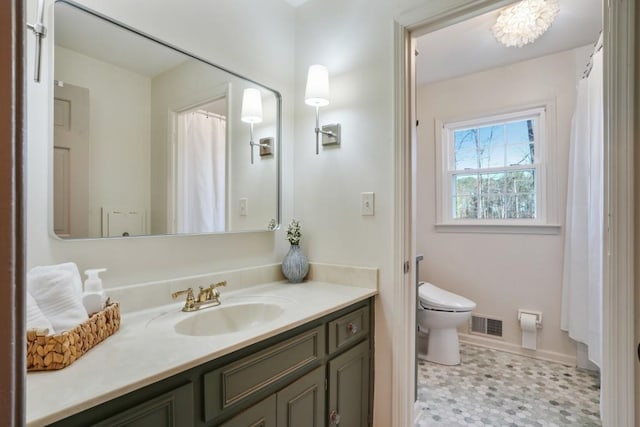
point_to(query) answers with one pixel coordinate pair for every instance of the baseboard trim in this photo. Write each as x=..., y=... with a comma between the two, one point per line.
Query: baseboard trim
x=550, y=356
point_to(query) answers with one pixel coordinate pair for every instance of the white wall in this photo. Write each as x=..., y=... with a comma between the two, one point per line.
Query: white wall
x=206, y=29
x=119, y=133
x=500, y=272
x=354, y=40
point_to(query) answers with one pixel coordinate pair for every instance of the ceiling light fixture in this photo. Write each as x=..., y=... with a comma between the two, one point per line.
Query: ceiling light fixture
x=524, y=22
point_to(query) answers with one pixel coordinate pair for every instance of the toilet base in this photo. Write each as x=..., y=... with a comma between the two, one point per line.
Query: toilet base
x=443, y=347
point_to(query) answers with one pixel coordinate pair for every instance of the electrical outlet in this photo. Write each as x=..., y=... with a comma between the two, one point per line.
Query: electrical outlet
x=367, y=204
x=244, y=206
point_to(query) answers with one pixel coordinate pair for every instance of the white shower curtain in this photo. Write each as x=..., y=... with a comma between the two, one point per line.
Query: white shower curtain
x=584, y=241
x=201, y=159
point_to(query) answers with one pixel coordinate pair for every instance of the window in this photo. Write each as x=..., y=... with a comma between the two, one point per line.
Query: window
x=493, y=170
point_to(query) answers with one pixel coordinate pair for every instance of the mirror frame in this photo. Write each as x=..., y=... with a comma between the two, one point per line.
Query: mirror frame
x=277, y=145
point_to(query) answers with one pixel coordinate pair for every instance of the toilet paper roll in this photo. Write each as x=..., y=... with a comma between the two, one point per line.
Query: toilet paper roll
x=529, y=330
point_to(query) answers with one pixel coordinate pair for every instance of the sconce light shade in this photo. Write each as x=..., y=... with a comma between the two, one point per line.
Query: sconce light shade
x=251, y=106
x=317, y=93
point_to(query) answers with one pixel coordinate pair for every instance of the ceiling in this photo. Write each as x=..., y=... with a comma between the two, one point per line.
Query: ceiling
x=469, y=46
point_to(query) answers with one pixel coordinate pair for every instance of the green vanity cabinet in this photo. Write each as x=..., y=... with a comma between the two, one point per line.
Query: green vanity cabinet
x=348, y=377
x=315, y=375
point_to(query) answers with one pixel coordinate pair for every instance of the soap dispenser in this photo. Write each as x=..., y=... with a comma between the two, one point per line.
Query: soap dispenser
x=93, y=298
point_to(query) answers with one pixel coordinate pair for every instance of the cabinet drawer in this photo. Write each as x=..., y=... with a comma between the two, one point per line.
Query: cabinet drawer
x=236, y=381
x=348, y=329
x=171, y=409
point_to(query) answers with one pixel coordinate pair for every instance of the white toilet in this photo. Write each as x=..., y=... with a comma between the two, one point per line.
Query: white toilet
x=440, y=313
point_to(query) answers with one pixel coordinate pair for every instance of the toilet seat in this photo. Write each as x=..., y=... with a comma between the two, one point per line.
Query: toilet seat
x=433, y=298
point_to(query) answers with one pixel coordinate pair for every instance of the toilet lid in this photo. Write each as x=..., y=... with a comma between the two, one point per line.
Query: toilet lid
x=433, y=297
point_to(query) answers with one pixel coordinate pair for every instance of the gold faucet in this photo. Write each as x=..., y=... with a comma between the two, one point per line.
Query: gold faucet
x=207, y=297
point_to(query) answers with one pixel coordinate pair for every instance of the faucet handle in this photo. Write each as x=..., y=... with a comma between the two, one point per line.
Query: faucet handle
x=215, y=294
x=217, y=285
x=188, y=291
x=189, y=304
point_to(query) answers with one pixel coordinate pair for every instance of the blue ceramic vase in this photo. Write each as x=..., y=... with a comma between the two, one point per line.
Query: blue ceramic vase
x=295, y=265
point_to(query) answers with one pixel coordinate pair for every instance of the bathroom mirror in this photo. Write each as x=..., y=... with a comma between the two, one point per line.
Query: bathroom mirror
x=150, y=140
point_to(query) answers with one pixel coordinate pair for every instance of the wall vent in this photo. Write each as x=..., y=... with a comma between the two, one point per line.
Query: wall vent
x=486, y=326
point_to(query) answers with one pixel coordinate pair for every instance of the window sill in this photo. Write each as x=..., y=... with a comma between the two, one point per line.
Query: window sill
x=548, y=229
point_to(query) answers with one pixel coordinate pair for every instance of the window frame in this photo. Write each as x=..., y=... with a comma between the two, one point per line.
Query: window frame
x=545, y=221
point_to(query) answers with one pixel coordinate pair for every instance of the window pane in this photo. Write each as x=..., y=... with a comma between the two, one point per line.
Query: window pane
x=520, y=132
x=495, y=157
x=501, y=195
x=465, y=185
x=465, y=138
x=466, y=159
x=465, y=198
x=466, y=207
x=521, y=190
x=520, y=154
x=493, y=206
x=491, y=146
x=465, y=149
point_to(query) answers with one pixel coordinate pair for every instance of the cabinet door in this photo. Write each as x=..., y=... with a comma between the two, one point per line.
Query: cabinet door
x=302, y=402
x=262, y=414
x=349, y=388
x=171, y=409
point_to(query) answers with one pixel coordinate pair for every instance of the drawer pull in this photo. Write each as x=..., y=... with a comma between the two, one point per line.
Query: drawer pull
x=334, y=418
x=353, y=328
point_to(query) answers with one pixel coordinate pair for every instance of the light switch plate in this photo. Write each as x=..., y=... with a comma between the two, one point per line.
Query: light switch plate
x=367, y=204
x=244, y=206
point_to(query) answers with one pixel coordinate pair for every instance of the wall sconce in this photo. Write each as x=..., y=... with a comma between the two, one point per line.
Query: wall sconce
x=317, y=95
x=252, y=113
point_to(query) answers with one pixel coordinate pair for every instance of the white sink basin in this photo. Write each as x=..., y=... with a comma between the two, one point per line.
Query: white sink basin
x=226, y=319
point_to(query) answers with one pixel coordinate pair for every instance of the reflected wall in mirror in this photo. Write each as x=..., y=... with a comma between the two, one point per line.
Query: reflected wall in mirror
x=149, y=140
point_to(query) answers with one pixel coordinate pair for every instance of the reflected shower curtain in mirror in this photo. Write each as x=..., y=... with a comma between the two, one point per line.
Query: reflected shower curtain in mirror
x=582, y=285
x=201, y=159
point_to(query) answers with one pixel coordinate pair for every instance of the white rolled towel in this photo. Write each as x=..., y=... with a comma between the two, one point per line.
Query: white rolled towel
x=35, y=318
x=58, y=297
x=71, y=267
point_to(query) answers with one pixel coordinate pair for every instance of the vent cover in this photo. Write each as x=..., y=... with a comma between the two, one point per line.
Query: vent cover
x=486, y=326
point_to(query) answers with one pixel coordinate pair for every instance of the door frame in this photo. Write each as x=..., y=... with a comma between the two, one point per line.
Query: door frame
x=220, y=92
x=618, y=396
x=12, y=288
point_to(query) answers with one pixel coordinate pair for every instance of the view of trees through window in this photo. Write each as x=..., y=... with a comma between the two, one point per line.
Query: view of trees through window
x=494, y=173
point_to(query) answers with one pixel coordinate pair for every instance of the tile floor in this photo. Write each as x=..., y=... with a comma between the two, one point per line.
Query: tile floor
x=494, y=388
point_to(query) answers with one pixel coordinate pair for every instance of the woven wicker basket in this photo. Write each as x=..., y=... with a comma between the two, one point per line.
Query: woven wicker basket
x=48, y=352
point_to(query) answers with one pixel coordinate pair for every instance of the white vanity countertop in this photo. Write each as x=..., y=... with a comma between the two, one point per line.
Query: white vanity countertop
x=147, y=349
